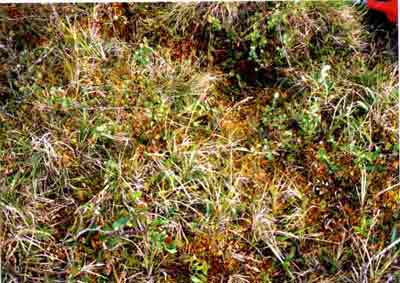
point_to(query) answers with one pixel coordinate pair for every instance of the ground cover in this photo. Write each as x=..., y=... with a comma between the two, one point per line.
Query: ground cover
x=219, y=142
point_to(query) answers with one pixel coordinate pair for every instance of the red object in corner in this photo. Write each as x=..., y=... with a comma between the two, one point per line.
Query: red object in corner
x=388, y=7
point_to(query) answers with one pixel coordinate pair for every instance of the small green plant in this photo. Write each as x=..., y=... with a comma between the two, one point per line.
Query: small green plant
x=323, y=157
x=364, y=227
x=258, y=42
x=160, y=240
x=199, y=270
x=310, y=119
x=215, y=23
x=364, y=158
x=142, y=55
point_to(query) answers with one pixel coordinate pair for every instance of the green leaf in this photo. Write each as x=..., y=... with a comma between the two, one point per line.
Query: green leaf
x=136, y=195
x=196, y=279
x=120, y=223
x=394, y=235
x=363, y=105
x=171, y=248
x=160, y=221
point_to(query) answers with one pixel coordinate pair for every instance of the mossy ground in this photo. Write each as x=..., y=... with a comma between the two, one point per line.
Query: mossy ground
x=219, y=142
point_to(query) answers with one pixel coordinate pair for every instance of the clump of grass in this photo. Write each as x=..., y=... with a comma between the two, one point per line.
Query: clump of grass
x=197, y=143
x=255, y=43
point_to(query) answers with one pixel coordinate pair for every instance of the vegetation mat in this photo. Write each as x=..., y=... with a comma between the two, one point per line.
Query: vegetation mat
x=203, y=142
